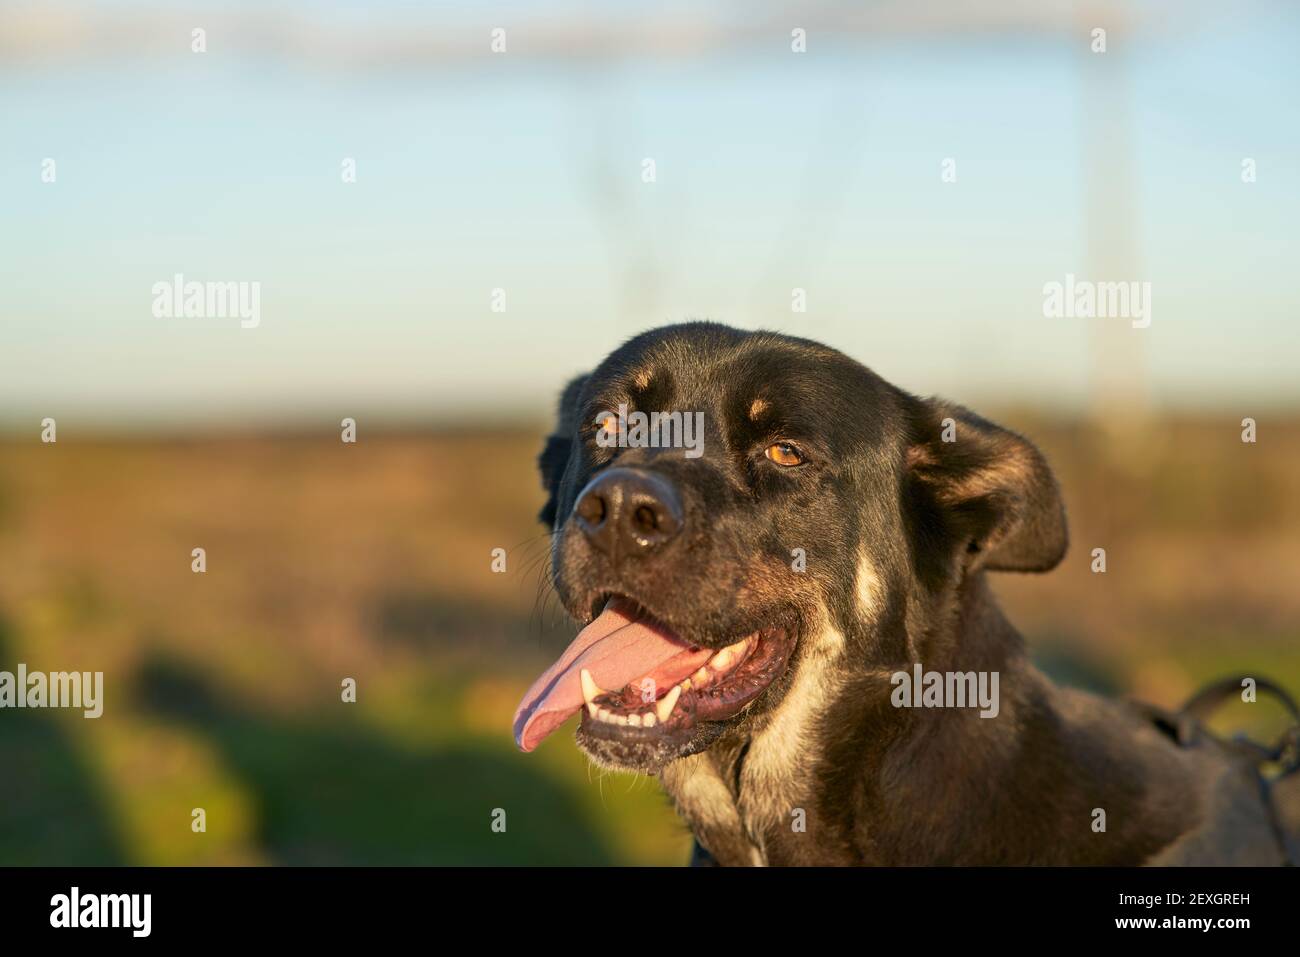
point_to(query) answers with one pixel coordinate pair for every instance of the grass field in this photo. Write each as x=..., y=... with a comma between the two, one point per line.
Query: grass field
x=372, y=561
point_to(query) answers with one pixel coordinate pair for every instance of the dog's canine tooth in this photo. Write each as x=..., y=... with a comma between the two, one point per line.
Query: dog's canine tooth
x=590, y=690
x=669, y=701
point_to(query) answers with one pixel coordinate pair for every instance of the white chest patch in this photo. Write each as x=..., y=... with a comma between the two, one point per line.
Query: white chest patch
x=780, y=754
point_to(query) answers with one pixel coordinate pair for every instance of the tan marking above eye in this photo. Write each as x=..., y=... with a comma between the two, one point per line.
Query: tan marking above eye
x=642, y=380
x=609, y=424
x=784, y=454
x=758, y=407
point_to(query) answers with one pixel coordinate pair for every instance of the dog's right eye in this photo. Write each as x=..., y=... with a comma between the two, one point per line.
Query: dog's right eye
x=784, y=454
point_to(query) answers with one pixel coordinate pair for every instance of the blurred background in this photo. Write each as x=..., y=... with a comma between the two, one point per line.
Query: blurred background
x=516, y=178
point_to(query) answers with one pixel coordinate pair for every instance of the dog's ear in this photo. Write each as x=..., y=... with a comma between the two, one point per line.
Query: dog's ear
x=985, y=490
x=559, y=445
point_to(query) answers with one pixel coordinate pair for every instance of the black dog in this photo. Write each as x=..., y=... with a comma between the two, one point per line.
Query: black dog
x=793, y=629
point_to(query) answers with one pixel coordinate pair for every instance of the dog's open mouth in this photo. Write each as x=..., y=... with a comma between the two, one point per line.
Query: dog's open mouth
x=635, y=679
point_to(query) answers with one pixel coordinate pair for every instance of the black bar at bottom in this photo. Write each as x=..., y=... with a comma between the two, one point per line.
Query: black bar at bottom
x=334, y=905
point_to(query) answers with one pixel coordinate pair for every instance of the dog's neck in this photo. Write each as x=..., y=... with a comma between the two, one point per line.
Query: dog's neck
x=839, y=775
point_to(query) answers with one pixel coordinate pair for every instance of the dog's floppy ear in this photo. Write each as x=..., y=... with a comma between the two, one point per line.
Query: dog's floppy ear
x=985, y=489
x=555, y=454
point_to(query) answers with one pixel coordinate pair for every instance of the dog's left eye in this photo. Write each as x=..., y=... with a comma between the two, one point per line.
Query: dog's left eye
x=783, y=453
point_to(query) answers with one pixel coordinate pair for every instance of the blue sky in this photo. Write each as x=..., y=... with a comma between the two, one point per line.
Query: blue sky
x=522, y=171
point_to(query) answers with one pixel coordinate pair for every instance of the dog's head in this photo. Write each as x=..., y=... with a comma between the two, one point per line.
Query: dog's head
x=784, y=493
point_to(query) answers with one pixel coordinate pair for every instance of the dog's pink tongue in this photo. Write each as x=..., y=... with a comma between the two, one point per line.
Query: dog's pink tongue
x=616, y=650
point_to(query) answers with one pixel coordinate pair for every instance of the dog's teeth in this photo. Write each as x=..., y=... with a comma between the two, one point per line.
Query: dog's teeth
x=666, y=704
x=701, y=677
x=590, y=690
x=620, y=719
x=686, y=685
x=721, y=659
x=648, y=719
x=634, y=720
x=605, y=714
x=593, y=710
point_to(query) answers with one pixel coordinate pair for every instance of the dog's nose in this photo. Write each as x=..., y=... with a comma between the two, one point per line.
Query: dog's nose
x=628, y=511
